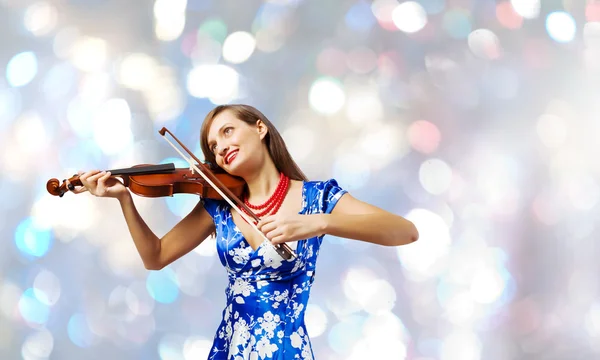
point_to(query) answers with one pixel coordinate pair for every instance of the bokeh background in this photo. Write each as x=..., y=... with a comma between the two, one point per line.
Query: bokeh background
x=475, y=119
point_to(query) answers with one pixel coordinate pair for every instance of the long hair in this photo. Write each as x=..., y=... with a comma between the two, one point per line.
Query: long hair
x=276, y=146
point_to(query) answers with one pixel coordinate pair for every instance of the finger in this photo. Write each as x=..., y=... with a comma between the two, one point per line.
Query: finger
x=266, y=220
x=273, y=234
x=95, y=177
x=102, y=183
x=87, y=174
x=268, y=227
x=279, y=239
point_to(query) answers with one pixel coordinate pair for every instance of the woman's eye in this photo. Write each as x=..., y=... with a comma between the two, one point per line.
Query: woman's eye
x=228, y=130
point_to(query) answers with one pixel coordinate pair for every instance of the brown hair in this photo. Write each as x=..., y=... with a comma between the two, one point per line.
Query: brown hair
x=276, y=146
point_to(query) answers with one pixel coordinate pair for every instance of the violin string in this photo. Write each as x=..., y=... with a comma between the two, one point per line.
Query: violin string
x=242, y=214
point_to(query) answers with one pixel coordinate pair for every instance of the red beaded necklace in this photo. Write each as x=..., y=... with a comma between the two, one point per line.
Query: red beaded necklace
x=272, y=205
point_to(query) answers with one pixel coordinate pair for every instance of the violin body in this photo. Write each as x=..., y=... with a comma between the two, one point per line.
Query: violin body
x=181, y=181
x=161, y=180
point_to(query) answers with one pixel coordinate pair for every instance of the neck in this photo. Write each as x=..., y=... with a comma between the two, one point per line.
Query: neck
x=263, y=182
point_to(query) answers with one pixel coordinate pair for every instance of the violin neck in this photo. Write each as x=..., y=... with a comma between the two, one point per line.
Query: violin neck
x=145, y=170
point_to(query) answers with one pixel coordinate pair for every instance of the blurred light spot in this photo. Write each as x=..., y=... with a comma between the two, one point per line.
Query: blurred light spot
x=196, y=348
x=424, y=136
x=21, y=69
x=332, y=62
x=487, y=286
x=433, y=7
x=162, y=285
x=40, y=18
x=79, y=331
x=383, y=144
x=420, y=258
x=214, y=28
x=583, y=191
x=361, y=60
x=59, y=81
x=38, y=345
x=170, y=347
x=552, y=130
x=484, y=44
x=496, y=181
x=95, y=87
x=460, y=309
x=64, y=42
x=592, y=11
x=546, y=207
x=507, y=16
x=112, y=130
x=30, y=133
x=359, y=17
x=208, y=248
x=435, y=176
x=561, y=26
x=326, y=96
x=10, y=106
x=31, y=239
x=10, y=296
x=181, y=205
x=461, y=345
x=137, y=71
x=384, y=334
x=300, y=141
x=316, y=320
x=32, y=309
x=503, y=82
x=457, y=23
x=345, y=333
x=383, y=11
x=409, y=17
x=374, y=295
x=46, y=287
x=219, y=83
x=364, y=107
x=268, y=40
x=169, y=19
x=138, y=300
x=89, y=53
x=80, y=115
x=352, y=169
x=592, y=320
x=206, y=51
x=238, y=47
x=529, y=9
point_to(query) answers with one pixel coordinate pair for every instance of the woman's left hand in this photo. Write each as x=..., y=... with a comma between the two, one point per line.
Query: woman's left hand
x=280, y=228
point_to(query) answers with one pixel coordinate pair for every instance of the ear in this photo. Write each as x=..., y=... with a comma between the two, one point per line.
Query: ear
x=262, y=129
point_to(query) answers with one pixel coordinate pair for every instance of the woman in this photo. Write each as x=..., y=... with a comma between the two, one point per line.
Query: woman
x=267, y=295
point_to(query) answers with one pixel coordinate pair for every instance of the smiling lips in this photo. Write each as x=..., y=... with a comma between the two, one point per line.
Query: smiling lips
x=229, y=157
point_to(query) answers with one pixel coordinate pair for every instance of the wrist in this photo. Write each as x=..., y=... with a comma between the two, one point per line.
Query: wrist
x=124, y=196
x=323, y=224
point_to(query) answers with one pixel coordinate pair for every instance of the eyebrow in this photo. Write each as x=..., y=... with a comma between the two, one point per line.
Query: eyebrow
x=210, y=143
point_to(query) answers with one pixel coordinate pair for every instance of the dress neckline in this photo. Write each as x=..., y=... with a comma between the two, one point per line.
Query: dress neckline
x=304, y=204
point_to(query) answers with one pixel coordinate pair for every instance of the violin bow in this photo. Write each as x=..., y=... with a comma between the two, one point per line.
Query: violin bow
x=282, y=249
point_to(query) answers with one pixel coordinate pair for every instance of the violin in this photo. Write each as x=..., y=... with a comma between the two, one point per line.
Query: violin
x=161, y=180
x=149, y=180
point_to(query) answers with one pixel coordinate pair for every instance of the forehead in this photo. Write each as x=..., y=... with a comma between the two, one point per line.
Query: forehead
x=218, y=121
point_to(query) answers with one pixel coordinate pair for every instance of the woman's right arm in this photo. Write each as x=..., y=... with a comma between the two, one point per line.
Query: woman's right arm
x=156, y=253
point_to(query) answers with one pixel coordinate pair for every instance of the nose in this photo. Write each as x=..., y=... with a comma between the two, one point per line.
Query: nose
x=222, y=150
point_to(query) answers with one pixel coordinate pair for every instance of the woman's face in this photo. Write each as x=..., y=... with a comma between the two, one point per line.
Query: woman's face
x=237, y=146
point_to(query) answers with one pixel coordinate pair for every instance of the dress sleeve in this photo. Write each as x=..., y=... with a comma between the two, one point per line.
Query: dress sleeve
x=330, y=193
x=211, y=206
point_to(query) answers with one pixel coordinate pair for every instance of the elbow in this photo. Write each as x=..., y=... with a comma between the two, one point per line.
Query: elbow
x=408, y=234
x=153, y=265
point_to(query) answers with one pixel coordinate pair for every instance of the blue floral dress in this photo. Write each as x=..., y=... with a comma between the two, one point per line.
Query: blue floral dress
x=267, y=295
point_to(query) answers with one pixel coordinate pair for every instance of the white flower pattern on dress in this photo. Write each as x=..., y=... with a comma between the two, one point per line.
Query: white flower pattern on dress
x=267, y=295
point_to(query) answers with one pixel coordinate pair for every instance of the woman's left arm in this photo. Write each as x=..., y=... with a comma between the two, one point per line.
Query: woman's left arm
x=355, y=219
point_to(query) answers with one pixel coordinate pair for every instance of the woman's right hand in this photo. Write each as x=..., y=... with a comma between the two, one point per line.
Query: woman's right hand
x=100, y=183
